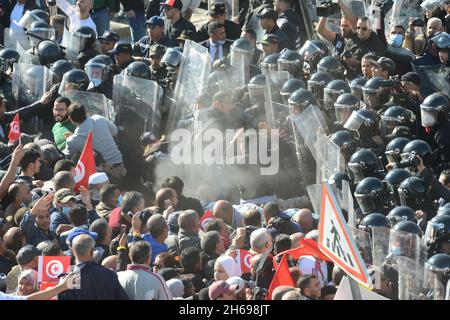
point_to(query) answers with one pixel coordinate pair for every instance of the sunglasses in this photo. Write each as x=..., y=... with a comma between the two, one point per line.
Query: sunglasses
x=361, y=28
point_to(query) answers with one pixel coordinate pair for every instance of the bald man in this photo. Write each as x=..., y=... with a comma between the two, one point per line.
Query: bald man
x=225, y=211
x=189, y=227
x=305, y=219
x=14, y=239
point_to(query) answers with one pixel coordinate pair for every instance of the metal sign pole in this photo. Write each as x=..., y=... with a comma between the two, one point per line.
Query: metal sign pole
x=356, y=293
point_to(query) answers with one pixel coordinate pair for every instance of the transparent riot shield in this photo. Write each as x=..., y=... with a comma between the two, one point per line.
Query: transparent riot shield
x=238, y=73
x=427, y=85
x=94, y=103
x=26, y=56
x=30, y=82
x=74, y=43
x=268, y=106
x=328, y=157
x=278, y=78
x=315, y=196
x=363, y=243
x=192, y=81
x=380, y=246
x=410, y=279
x=346, y=201
x=402, y=10
x=309, y=123
x=253, y=23
x=434, y=283
x=402, y=244
x=14, y=38
x=140, y=96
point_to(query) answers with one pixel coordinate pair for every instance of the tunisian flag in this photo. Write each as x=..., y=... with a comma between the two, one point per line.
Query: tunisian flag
x=14, y=131
x=282, y=277
x=206, y=217
x=243, y=258
x=86, y=164
x=308, y=247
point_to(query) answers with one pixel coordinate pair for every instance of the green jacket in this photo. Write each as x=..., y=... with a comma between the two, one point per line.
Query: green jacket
x=59, y=129
x=110, y=4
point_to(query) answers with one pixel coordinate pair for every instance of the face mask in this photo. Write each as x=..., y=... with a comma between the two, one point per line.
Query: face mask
x=220, y=42
x=119, y=201
x=396, y=251
x=66, y=210
x=396, y=40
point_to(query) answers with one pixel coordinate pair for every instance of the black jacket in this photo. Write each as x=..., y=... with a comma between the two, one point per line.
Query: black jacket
x=226, y=47
x=282, y=38
x=186, y=203
x=97, y=283
x=135, y=5
x=232, y=30
x=360, y=47
x=9, y=7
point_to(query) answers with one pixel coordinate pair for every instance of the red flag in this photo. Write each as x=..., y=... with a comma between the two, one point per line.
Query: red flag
x=243, y=260
x=206, y=217
x=50, y=268
x=282, y=277
x=14, y=131
x=86, y=164
x=308, y=247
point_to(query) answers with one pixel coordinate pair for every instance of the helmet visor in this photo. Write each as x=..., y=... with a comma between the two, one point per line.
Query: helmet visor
x=354, y=122
x=431, y=232
x=428, y=116
x=343, y=112
x=316, y=87
x=286, y=65
x=393, y=155
x=268, y=68
x=357, y=170
x=256, y=93
x=329, y=98
x=371, y=98
x=433, y=279
x=357, y=91
x=388, y=124
x=95, y=73
x=309, y=51
x=365, y=202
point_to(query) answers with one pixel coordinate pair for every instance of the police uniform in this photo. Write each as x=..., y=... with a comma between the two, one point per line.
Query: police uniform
x=142, y=47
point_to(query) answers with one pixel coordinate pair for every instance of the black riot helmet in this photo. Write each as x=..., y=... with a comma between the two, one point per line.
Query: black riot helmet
x=414, y=193
x=437, y=274
x=363, y=163
x=256, y=87
x=38, y=31
x=270, y=63
x=75, y=79
x=394, y=149
x=437, y=232
x=312, y=52
x=373, y=220
x=10, y=56
x=419, y=148
x=401, y=213
x=59, y=68
x=289, y=87
x=332, y=91
x=39, y=14
x=356, y=85
x=346, y=142
x=138, y=69
x=333, y=66
x=300, y=100
x=393, y=117
x=345, y=104
x=292, y=62
x=88, y=35
x=363, y=122
x=370, y=193
x=372, y=93
x=393, y=179
x=97, y=70
x=48, y=52
x=434, y=109
x=338, y=177
x=408, y=227
x=317, y=82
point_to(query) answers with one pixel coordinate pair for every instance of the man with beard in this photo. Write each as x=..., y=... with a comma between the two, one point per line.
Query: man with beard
x=63, y=127
x=80, y=15
x=348, y=24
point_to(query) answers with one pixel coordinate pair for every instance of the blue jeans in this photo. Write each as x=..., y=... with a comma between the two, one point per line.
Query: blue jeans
x=137, y=26
x=101, y=20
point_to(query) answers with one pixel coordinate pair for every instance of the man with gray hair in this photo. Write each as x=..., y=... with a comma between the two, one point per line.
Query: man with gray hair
x=139, y=282
x=97, y=282
x=189, y=227
x=260, y=241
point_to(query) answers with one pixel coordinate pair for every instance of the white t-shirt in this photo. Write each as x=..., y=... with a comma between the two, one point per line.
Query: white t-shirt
x=307, y=265
x=4, y=296
x=75, y=21
x=16, y=15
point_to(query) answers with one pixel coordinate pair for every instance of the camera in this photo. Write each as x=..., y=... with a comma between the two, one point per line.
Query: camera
x=418, y=23
x=385, y=6
x=391, y=83
x=412, y=162
x=346, y=55
x=326, y=8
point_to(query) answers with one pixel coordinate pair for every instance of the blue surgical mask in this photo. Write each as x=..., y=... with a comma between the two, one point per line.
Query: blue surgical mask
x=65, y=210
x=396, y=251
x=220, y=42
x=396, y=40
x=119, y=201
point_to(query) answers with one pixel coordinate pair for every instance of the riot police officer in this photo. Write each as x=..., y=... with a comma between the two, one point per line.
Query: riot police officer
x=394, y=149
x=374, y=95
x=289, y=87
x=312, y=52
x=269, y=64
x=437, y=274
x=363, y=163
x=256, y=91
x=372, y=196
x=292, y=62
x=346, y=143
x=437, y=235
x=395, y=116
x=48, y=52
x=333, y=66
x=100, y=74
x=88, y=51
x=356, y=86
x=317, y=82
x=401, y=213
x=330, y=94
x=6, y=85
x=158, y=71
x=74, y=79
x=415, y=193
x=393, y=179
x=59, y=68
x=373, y=220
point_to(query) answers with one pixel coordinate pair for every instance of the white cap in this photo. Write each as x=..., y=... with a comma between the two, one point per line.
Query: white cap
x=238, y=282
x=98, y=177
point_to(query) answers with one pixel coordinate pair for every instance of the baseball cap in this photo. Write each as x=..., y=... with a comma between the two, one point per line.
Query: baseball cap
x=269, y=39
x=219, y=288
x=155, y=21
x=26, y=254
x=413, y=77
x=177, y=4
x=64, y=195
x=238, y=282
x=77, y=232
x=109, y=35
x=217, y=8
x=120, y=47
x=157, y=50
x=386, y=64
x=268, y=13
x=186, y=35
x=98, y=177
